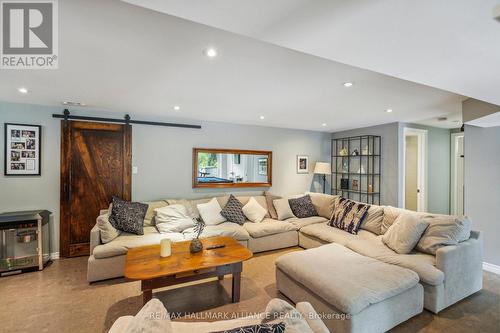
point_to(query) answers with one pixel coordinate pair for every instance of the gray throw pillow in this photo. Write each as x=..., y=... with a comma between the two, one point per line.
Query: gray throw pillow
x=404, y=233
x=443, y=230
x=232, y=211
x=128, y=216
x=348, y=215
x=302, y=207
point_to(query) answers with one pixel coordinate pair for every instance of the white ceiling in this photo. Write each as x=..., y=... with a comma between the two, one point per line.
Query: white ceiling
x=451, y=45
x=126, y=59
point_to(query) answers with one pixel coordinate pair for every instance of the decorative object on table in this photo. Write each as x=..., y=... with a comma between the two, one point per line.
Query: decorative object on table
x=355, y=185
x=25, y=238
x=196, y=245
x=302, y=164
x=263, y=166
x=22, y=150
x=323, y=168
x=363, y=163
x=165, y=248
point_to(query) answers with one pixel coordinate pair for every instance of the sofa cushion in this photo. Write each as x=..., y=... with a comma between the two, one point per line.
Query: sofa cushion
x=232, y=210
x=324, y=203
x=150, y=218
x=254, y=211
x=128, y=216
x=270, y=206
x=373, y=219
x=404, y=233
x=302, y=222
x=303, y=206
x=329, y=234
x=443, y=230
x=229, y=229
x=210, y=212
x=173, y=218
x=121, y=244
x=422, y=264
x=283, y=209
x=268, y=227
x=106, y=230
x=390, y=215
x=348, y=215
x=190, y=207
x=259, y=198
x=347, y=280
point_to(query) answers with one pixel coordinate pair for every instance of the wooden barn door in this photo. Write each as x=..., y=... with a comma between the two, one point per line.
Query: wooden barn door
x=96, y=163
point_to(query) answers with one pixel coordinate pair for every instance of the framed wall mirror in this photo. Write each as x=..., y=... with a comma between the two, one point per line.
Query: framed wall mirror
x=231, y=168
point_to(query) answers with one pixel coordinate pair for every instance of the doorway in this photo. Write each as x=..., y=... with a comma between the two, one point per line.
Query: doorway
x=96, y=163
x=415, y=169
x=457, y=174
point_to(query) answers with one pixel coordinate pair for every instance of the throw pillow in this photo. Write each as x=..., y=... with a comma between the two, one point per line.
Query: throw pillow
x=210, y=212
x=106, y=229
x=373, y=219
x=152, y=318
x=348, y=215
x=191, y=209
x=258, y=328
x=149, y=219
x=283, y=209
x=128, y=216
x=443, y=230
x=404, y=233
x=269, y=199
x=324, y=203
x=302, y=207
x=232, y=211
x=173, y=218
x=254, y=211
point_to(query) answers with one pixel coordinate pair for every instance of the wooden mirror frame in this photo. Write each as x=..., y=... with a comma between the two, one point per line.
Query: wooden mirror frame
x=269, y=155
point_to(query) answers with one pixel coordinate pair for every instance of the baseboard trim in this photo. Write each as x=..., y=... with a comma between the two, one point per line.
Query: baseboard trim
x=54, y=255
x=491, y=268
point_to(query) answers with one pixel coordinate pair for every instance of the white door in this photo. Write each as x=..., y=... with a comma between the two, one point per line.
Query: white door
x=457, y=173
x=414, y=187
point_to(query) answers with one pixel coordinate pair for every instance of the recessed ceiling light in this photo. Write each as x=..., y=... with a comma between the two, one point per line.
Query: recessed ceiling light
x=388, y=110
x=261, y=117
x=70, y=103
x=177, y=107
x=348, y=84
x=23, y=90
x=324, y=124
x=210, y=52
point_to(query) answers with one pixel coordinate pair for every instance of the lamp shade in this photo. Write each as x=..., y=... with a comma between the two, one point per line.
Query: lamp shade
x=322, y=168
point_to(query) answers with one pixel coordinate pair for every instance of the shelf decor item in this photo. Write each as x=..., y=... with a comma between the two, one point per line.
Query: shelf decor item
x=22, y=150
x=357, y=168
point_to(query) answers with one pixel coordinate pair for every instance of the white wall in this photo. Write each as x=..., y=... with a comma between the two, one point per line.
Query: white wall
x=163, y=156
x=482, y=186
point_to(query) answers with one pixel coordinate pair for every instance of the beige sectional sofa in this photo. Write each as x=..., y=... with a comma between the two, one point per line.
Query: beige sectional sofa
x=454, y=272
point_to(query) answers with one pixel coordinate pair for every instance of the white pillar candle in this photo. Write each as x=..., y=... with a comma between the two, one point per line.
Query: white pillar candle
x=165, y=247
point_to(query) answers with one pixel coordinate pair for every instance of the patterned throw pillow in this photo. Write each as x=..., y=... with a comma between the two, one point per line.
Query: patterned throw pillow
x=348, y=215
x=233, y=211
x=257, y=328
x=128, y=216
x=303, y=207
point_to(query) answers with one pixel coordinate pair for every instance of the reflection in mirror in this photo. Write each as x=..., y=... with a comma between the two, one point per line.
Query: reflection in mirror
x=231, y=168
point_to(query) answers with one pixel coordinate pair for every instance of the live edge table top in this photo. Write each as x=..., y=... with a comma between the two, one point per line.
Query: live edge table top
x=145, y=263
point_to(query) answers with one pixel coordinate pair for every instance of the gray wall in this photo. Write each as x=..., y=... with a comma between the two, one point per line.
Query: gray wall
x=163, y=156
x=482, y=186
x=390, y=153
x=438, y=170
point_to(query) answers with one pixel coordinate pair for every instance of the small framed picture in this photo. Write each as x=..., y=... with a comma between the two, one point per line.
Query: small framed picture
x=302, y=164
x=22, y=150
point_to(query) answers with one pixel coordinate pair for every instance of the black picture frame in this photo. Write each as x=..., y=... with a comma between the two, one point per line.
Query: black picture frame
x=8, y=171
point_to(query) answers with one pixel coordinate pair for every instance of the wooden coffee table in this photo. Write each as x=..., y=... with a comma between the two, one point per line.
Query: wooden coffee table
x=145, y=264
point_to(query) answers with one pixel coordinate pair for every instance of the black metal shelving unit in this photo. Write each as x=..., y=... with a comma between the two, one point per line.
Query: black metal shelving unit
x=356, y=162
